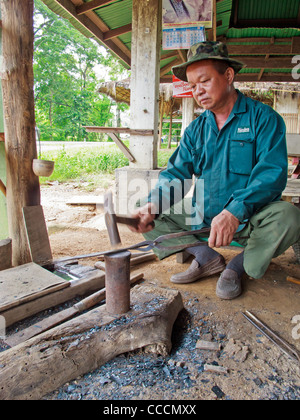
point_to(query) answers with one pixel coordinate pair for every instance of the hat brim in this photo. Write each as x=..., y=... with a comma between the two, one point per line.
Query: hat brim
x=180, y=70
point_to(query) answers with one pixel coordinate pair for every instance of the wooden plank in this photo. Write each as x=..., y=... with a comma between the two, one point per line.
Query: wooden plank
x=117, y=32
x=78, y=288
x=119, y=130
x=25, y=283
x=92, y=5
x=86, y=200
x=257, y=62
x=260, y=49
x=37, y=235
x=5, y=254
x=122, y=147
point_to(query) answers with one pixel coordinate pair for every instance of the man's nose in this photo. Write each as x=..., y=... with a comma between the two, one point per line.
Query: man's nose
x=199, y=89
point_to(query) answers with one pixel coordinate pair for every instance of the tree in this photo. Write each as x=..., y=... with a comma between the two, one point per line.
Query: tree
x=66, y=96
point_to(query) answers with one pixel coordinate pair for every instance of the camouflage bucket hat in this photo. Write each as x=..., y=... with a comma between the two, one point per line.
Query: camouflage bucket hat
x=209, y=50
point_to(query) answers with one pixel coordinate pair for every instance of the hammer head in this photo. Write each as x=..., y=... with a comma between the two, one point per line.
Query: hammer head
x=110, y=220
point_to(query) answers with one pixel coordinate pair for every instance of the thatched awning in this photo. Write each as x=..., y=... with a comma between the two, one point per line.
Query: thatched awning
x=120, y=92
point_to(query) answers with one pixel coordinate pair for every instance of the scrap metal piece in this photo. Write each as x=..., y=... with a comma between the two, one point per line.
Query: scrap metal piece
x=282, y=344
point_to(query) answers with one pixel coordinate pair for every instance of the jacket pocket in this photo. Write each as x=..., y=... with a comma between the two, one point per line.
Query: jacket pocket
x=241, y=154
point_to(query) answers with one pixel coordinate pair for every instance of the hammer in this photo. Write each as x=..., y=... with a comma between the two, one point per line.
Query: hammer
x=111, y=220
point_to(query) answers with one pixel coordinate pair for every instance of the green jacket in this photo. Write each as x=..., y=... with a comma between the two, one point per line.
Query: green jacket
x=241, y=168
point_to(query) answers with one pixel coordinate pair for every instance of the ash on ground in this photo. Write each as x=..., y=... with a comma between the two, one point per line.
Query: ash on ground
x=263, y=372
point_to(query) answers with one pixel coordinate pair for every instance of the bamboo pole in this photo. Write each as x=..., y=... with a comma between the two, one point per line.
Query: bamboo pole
x=22, y=185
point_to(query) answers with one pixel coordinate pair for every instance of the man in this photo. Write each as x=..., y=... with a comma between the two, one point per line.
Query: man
x=237, y=151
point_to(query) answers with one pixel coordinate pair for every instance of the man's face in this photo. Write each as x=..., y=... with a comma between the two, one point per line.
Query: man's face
x=210, y=88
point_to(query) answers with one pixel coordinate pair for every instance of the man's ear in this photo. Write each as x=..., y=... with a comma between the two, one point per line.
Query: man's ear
x=230, y=75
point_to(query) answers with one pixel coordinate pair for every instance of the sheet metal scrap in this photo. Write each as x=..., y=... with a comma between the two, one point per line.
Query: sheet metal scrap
x=283, y=345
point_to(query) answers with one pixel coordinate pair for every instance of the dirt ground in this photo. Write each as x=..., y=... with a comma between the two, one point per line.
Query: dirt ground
x=256, y=367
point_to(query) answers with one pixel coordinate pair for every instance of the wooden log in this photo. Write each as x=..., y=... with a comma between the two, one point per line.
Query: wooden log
x=42, y=364
x=22, y=185
x=5, y=254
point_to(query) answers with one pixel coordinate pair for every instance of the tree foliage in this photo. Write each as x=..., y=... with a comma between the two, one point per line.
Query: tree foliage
x=66, y=96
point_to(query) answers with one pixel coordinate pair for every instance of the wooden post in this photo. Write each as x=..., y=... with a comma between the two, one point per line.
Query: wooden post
x=170, y=128
x=188, y=109
x=23, y=187
x=145, y=78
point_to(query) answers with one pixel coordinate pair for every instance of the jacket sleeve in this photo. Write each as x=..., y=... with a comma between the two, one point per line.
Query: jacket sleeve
x=175, y=181
x=268, y=178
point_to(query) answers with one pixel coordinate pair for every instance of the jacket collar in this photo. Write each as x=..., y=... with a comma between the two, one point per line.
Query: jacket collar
x=239, y=107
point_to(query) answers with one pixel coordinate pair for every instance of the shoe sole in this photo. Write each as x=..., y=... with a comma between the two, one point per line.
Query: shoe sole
x=227, y=297
x=207, y=273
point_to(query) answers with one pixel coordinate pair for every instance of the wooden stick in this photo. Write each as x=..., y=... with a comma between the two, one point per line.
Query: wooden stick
x=56, y=319
x=2, y=187
x=293, y=280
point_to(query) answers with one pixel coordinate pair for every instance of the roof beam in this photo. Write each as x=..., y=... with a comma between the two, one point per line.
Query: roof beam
x=113, y=33
x=272, y=49
x=164, y=70
x=94, y=29
x=249, y=77
x=269, y=63
x=92, y=5
x=266, y=23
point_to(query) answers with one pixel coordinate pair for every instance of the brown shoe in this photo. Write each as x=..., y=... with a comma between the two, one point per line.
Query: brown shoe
x=197, y=271
x=229, y=285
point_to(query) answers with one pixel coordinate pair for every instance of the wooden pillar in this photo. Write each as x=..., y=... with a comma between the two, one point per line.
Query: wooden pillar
x=145, y=78
x=188, y=109
x=23, y=187
x=170, y=128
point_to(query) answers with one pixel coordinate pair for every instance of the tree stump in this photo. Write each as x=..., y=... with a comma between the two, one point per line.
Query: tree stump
x=44, y=363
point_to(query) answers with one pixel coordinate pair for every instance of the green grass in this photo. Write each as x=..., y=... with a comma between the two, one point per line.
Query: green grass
x=91, y=164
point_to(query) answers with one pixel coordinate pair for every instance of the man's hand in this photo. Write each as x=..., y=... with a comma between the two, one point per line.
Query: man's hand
x=223, y=228
x=146, y=216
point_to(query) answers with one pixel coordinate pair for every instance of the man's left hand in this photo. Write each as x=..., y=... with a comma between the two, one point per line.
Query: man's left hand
x=223, y=228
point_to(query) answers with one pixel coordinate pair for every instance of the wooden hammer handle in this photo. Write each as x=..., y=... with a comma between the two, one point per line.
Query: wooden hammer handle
x=130, y=221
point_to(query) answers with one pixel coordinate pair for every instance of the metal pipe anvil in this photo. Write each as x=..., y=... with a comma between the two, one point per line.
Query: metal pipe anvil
x=117, y=282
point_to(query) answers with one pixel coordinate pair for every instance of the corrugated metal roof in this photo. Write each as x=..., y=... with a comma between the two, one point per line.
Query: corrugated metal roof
x=119, y=13
x=268, y=9
x=262, y=32
x=60, y=11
